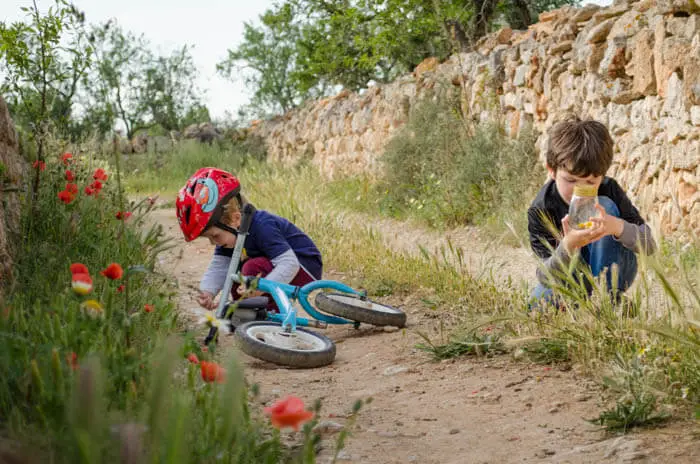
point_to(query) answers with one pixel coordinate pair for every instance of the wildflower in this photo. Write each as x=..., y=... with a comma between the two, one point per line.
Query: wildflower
x=89, y=191
x=93, y=308
x=97, y=185
x=100, y=175
x=211, y=320
x=81, y=283
x=148, y=308
x=205, y=349
x=72, y=360
x=193, y=358
x=121, y=288
x=152, y=201
x=123, y=215
x=65, y=196
x=66, y=158
x=70, y=177
x=78, y=268
x=114, y=271
x=72, y=188
x=684, y=392
x=212, y=372
x=288, y=412
x=40, y=165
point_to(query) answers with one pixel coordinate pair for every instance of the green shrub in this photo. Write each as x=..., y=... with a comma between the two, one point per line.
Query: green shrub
x=438, y=170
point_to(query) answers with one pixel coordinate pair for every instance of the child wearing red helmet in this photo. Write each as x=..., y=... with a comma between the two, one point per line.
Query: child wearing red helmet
x=210, y=205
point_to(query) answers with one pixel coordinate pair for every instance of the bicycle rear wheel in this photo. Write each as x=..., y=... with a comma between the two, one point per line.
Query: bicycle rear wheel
x=354, y=308
x=267, y=340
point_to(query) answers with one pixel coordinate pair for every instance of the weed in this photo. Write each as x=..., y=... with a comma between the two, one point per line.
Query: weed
x=469, y=343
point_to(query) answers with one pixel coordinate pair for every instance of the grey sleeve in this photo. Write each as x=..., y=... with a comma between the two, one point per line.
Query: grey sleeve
x=637, y=238
x=215, y=275
x=558, y=262
x=286, y=267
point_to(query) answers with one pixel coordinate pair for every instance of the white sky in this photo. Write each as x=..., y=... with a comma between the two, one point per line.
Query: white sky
x=212, y=26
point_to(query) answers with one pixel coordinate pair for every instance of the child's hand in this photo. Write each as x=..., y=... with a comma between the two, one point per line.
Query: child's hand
x=206, y=300
x=577, y=238
x=611, y=225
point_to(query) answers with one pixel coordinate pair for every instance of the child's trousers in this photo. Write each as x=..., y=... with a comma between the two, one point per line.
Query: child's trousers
x=261, y=267
x=600, y=256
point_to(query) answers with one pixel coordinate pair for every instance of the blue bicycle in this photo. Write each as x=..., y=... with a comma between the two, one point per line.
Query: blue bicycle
x=278, y=337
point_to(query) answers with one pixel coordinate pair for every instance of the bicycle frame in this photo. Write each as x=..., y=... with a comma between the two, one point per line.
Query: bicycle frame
x=283, y=294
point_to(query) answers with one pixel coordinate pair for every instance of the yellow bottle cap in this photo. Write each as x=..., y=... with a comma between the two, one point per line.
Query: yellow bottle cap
x=581, y=190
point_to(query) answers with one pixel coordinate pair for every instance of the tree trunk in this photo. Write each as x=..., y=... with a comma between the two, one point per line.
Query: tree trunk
x=483, y=12
x=521, y=16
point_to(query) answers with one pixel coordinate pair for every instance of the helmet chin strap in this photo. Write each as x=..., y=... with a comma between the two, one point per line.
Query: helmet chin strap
x=225, y=227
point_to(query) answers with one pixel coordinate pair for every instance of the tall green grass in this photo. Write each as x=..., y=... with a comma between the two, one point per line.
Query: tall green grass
x=113, y=385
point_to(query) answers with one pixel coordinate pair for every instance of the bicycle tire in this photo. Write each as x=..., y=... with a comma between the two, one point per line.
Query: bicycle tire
x=354, y=308
x=265, y=340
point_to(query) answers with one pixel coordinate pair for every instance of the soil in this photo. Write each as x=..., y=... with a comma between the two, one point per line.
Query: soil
x=464, y=410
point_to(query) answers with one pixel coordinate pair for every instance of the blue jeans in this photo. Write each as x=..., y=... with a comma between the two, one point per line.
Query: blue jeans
x=600, y=255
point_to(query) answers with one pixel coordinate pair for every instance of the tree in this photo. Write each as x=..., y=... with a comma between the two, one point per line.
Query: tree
x=131, y=85
x=266, y=62
x=303, y=48
x=43, y=60
x=112, y=88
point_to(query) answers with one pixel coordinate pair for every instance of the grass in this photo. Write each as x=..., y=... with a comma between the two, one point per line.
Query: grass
x=662, y=336
x=443, y=173
x=103, y=377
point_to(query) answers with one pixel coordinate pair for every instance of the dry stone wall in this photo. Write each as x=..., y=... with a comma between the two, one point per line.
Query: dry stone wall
x=12, y=167
x=634, y=66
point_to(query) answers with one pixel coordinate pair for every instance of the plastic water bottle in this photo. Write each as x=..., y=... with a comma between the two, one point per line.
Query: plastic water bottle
x=583, y=206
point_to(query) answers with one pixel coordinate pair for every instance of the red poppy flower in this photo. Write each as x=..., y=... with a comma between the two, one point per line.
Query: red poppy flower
x=114, y=271
x=89, y=191
x=97, y=186
x=66, y=158
x=212, y=372
x=123, y=215
x=100, y=174
x=65, y=196
x=193, y=358
x=78, y=268
x=121, y=288
x=72, y=188
x=70, y=177
x=81, y=283
x=288, y=412
x=39, y=165
x=148, y=308
x=72, y=359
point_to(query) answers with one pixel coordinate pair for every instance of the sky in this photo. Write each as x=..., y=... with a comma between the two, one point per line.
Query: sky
x=212, y=26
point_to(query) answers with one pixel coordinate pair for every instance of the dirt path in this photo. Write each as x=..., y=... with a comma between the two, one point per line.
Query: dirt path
x=458, y=411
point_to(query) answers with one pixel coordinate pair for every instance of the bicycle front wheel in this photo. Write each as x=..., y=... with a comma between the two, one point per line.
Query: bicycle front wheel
x=267, y=340
x=354, y=308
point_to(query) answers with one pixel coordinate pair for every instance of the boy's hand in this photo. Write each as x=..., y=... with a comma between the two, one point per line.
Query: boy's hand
x=206, y=300
x=577, y=238
x=611, y=225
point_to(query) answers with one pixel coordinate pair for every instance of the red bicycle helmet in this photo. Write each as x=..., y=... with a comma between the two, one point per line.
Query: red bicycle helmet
x=199, y=202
